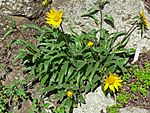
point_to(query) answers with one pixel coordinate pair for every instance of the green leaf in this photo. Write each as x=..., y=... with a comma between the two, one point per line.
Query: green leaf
x=73, y=33
x=44, y=34
x=26, y=44
x=111, y=68
x=94, y=86
x=109, y=20
x=95, y=19
x=46, y=65
x=103, y=35
x=116, y=35
x=62, y=43
x=60, y=95
x=88, y=70
x=124, y=41
x=32, y=26
x=95, y=68
x=57, y=56
x=102, y=3
x=68, y=105
x=143, y=91
x=53, y=78
x=48, y=89
x=49, y=55
x=8, y=32
x=73, y=86
x=40, y=67
x=122, y=67
x=136, y=18
x=62, y=72
x=35, y=57
x=79, y=77
x=45, y=44
x=70, y=72
x=21, y=55
x=81, y=99
x=123, y=60
x=44, y=79
x=90, y=13
x=81, y=64
x=87, y=87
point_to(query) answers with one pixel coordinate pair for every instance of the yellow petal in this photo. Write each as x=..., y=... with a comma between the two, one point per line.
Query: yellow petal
x=60, y=13
x=106, y=86
x=116, y=86
x=111, y=87
x=119, y=80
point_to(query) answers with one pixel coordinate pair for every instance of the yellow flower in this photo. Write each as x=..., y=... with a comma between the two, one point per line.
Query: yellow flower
x=113, y=81
x=45, y=2
x=69, y=93
x=90, y=43
x=54, y=17
x=143, y=19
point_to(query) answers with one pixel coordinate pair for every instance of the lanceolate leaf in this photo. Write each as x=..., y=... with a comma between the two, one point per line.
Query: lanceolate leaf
x=21, y=55
x=81, y=64
x=70, y=72
x=117, y=35
x=63, y=72
x=79, y=77
x=8, y=32
x=90, y=12
x=87, y=87
x=44, y=79
x=58, y=56
x=95, y=68
x=48, y=88
x=68, y=105
x=109, y=20
x=81, y=99
x=32, y=26
x=26, y=44
x=46, y=65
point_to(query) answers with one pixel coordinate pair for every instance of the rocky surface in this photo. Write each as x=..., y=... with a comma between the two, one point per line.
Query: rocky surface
x=26, y=8
x=96, y=102
x=133, y=110
x=122, y=10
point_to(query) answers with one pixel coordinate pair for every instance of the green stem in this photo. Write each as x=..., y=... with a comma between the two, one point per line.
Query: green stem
x=64, y=35
x=130, y=31
x=101, y=18
x=20, y=32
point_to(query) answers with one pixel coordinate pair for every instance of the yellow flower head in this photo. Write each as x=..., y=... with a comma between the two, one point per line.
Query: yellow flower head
x=44, y=2
x=113, y=81
x=69, y=93
x=90, y=43
x=143, y=19
x=54, y=17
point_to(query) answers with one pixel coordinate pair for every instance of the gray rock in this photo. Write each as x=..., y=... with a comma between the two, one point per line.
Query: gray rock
x=133, y=110
x=96, y=102
x=122, y=10
x=27, y=8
